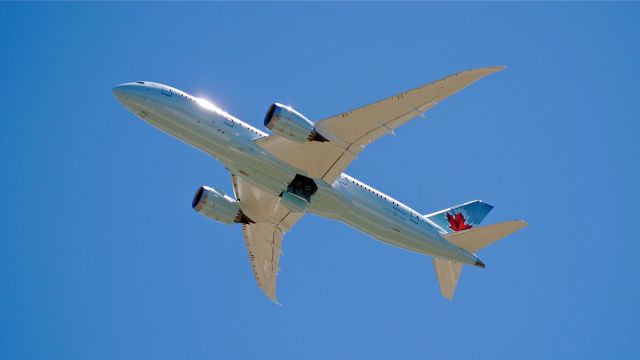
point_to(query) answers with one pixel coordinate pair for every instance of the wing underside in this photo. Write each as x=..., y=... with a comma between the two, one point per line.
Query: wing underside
x=350, y=132
x=263, y=238
x=264, y=244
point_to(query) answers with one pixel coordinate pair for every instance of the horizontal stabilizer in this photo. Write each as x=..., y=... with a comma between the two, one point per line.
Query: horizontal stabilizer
x=472, y=240
x=448, y=273
x=475, y=239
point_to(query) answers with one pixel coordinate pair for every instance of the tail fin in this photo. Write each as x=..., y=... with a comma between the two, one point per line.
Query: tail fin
x=461, y=217
x=471, y=240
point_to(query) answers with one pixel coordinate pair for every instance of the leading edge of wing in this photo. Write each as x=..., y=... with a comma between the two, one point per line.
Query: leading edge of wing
x=381, y=117
x=475, y=75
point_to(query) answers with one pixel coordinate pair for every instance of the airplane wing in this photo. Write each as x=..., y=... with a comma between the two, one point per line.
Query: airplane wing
x=350, y=132
x=263, y=238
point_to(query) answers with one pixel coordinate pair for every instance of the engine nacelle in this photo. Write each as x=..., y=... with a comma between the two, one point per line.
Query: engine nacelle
x=218, y=206
x=285, y=121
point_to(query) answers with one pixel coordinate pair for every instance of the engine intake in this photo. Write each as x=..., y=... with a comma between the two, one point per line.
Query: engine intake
x=285, y=121
x=216, y=205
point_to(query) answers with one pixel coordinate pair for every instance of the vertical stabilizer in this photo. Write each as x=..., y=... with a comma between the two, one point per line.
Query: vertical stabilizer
x=461, y=217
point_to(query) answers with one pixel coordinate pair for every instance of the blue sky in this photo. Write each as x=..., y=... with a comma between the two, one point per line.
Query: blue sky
x=102, y=257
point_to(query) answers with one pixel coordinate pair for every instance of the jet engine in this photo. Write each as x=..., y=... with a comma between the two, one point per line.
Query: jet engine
x=218, y=206
x=285, y=121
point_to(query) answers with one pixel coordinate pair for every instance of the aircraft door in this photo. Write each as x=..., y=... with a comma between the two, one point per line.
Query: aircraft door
x=396, y=216
x=414, y=218
x=399, y=215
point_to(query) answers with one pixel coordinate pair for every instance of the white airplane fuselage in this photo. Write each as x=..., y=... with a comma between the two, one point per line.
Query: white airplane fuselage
x=231, y=141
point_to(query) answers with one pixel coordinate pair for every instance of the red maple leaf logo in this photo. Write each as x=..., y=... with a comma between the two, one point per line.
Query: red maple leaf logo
x=457, y=222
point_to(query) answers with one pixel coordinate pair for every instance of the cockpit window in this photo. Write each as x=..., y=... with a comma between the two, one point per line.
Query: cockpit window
x=140, y=82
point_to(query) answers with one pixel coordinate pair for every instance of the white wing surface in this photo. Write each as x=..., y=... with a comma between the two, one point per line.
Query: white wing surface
x=263, y=238
x=350, y=132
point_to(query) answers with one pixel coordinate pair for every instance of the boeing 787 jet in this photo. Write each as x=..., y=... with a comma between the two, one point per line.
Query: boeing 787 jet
x=299, y=168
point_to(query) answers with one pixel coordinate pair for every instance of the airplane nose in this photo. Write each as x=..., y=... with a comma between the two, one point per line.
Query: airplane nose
x=130, y=93
x=124, y=93
x=119, y=92
x=134, y=96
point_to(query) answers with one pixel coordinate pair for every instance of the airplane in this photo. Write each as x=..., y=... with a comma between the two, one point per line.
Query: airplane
x=299, y=168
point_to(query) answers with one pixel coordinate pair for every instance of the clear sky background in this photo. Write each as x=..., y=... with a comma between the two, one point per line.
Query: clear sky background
x=102, y=257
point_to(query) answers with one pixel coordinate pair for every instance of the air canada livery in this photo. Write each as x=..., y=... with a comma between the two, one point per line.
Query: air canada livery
x=299, y=168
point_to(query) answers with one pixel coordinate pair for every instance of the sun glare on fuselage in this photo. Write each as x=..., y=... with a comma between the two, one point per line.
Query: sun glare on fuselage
x=210, y=106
